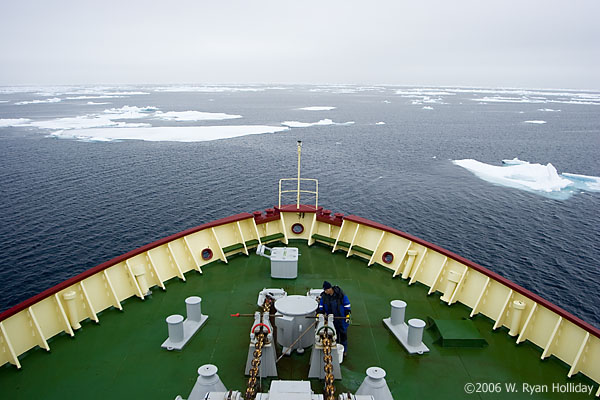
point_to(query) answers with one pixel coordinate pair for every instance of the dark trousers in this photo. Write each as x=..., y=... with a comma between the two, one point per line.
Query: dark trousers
x=342, y=335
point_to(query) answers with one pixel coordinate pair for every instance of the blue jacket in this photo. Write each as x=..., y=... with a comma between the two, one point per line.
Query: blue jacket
x=336, y=304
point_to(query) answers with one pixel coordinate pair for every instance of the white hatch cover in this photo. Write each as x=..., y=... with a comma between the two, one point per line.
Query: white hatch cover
x=290, y=390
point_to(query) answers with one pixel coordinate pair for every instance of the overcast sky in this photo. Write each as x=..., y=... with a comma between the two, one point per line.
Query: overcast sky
x=552, y=44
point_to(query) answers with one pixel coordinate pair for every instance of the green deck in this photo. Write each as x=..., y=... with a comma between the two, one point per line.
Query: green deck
x=121, y=357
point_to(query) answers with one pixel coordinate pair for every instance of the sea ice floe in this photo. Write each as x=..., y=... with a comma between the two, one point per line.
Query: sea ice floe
x=578, y=102
x=73, y=90
x=194, y=116
x=118, y=93
x=41, y=90
x=345, y=89
x=131, y=112
x=170, y=133
x=548, y=110
x=93, y=103
x=502, y=99
x=37, y=101
x=317, y=108
x=93, y=97
x=580, y=99
x=528, y=92
x=210, y=89
x=336, y=91
x=427, y=108
x=297, y=124
x=418, y=92
x=426, y=100
x=584, y=182
x=3, y=101
x=535, y=122
x=6, y=122
x=380, y=123
x=112, y=118
x=82, y=122
x=532, y=177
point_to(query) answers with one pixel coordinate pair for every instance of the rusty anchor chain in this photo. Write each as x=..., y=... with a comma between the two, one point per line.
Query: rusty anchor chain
x=261, y=339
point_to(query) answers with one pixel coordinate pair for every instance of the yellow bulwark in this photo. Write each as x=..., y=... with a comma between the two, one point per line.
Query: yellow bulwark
x=527, y=316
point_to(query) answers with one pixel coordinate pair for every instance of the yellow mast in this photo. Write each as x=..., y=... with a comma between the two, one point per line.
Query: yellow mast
x=298, y=180
x=298, y=195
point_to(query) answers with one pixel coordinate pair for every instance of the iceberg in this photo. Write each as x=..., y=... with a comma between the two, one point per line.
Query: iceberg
x=535, y=122
x=317, y=108
x=93, y=103
x=548, y=110
x=4, y=123
x=427, y=108
x=532, y=177
x=193, y=116
x=380, y=123
x=167, y=134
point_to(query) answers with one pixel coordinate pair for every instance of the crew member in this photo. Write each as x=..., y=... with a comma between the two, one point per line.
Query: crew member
x=334, y=301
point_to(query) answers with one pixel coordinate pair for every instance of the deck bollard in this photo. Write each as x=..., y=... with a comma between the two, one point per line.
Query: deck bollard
x=375, y=385
x=515, y=323
x=415, y=331
x=180, y=331
x=208, y=381
x=412, y=255
x=398, y=309
x=193, y=306
x=69, y=298
x=175, y=324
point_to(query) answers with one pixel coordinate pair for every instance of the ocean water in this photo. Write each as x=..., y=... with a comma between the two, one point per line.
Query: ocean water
x=72, y=198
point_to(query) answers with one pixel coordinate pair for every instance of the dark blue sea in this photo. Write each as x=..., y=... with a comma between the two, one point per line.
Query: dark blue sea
x=72, y=199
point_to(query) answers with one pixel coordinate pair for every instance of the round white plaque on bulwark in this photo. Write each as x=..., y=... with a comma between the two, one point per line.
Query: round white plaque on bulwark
x=296, y=305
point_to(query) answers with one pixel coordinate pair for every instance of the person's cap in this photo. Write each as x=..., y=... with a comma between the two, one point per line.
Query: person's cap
x=326, y=285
